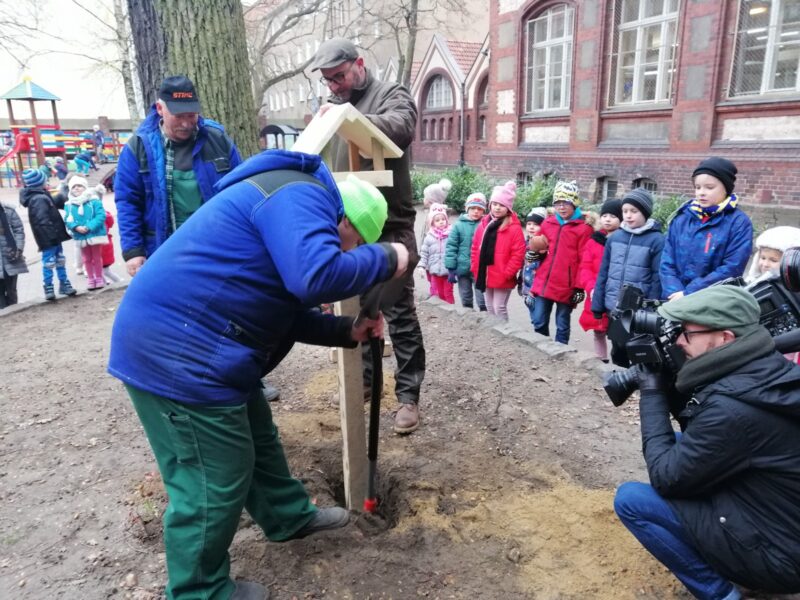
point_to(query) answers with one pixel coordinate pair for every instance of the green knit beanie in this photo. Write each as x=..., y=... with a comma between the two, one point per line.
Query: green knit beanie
x=364, y=206
x=717, y=307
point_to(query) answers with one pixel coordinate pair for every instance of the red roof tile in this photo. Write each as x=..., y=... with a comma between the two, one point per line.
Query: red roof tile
x=464, y=53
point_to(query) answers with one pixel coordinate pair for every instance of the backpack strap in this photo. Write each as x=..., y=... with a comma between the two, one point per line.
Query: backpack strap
x=216, y=149
x=270, y=182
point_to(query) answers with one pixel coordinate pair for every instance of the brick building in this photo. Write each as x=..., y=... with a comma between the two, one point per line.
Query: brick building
x=620, y=93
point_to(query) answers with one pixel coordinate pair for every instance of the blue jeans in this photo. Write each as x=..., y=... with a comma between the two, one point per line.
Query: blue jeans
x=651, y=521
x=53, y=258
x=540, y=317
x=466, y=287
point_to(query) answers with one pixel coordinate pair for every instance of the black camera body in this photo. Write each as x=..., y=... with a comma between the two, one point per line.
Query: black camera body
x=650, y=339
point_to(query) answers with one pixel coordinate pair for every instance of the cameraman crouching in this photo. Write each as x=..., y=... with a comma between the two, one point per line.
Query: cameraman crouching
x=723, y=504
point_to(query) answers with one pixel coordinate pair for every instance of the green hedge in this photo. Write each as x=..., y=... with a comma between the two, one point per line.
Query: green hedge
x=466, y=180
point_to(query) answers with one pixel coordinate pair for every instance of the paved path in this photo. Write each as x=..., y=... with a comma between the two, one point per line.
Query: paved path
x=29, y=285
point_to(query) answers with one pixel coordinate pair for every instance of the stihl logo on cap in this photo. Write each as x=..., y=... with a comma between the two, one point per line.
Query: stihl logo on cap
x=182, y=95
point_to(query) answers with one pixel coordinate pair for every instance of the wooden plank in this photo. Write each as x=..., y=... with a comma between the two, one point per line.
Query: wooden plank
x=378, y=163
x=354, y=158
x=346, y=121
x=351, y=414
x=376, y=178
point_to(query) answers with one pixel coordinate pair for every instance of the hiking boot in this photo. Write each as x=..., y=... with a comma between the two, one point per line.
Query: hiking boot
x=49, y=292
x=65, y=289
x=249, y=590
x=333, y=517
x=407, y=418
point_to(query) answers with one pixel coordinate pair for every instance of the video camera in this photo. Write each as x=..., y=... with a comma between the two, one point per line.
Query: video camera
x=649, y=339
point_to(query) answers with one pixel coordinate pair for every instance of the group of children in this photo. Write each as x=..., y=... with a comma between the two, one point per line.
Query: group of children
x=561, y=259
x=85, y=220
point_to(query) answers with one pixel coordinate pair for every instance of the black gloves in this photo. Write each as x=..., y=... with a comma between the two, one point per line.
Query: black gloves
x=452, y=276
x=577, y=297
x=651, y=378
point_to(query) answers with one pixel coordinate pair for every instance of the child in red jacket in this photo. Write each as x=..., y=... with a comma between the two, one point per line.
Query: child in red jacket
x=498, y=250
x=108, y=253
x=610, y=220
x=556, y=280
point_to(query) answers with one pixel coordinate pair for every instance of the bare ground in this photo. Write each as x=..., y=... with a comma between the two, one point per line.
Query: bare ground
x=505, y=491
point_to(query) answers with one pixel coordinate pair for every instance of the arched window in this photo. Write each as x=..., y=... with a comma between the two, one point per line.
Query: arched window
x=423, y=131
x=440, y=94
x=442, y=130
x=606, y=189
x=449, y=129
x=548, y=72
x=481, y=128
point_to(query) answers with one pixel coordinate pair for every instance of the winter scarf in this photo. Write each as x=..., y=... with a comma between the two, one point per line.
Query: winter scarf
x=79, y=201
x=486, y=256
x=717, y=363
x=440, y=233
x=576, y=215
x=704, y=213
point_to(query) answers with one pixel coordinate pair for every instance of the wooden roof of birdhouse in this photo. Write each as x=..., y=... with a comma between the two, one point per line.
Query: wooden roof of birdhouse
x=27, y=90
x=346, y=121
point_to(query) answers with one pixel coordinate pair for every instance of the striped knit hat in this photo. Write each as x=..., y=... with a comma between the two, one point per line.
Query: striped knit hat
x=33, y=178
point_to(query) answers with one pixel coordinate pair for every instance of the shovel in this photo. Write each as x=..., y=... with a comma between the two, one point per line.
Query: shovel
x=380, y=297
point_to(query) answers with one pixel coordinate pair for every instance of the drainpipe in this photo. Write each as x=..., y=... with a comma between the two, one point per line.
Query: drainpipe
x=461, y=161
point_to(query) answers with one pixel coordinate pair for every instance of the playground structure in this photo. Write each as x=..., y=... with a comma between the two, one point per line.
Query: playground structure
x=34, y=142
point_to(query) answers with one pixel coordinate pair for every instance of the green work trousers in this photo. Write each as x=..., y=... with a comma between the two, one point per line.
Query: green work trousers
x=216, y=460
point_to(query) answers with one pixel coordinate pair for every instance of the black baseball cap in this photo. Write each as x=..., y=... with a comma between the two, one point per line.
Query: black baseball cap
x=333, y=52
x=179, y=95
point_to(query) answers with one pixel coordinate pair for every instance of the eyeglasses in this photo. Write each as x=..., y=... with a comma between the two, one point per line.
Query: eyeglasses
x=686, y=333
x=338, y=78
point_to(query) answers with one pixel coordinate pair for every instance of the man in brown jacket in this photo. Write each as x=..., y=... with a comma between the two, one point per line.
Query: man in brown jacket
x=392, y=109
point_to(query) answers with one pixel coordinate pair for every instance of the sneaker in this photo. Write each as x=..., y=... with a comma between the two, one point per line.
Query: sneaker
x=407, y=418
x=333, y=517
x=249, y=590
x=65, y=289
x=80, y=271
x=49, y=293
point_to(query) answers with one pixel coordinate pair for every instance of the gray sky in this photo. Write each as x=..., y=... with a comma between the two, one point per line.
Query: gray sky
x=87, y=90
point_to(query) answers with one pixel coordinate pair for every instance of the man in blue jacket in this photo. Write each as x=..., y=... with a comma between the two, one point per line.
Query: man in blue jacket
x=167, y=170
x=218, y=306
x=722, y=502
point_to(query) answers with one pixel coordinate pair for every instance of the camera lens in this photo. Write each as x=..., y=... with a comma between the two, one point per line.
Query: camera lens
x=790, y=269
x=645, y=321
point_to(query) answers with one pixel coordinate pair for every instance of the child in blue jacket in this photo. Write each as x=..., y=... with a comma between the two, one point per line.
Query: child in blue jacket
x=85, y=218
x=709, y=239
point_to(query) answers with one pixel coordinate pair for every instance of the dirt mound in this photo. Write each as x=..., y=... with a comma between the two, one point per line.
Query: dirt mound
x=504, y=492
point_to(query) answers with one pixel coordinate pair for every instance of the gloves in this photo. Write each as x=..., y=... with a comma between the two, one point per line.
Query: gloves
x=452, y=276
x=651, y=378
x=597, y=315
x=577, y=297
x=528, y=300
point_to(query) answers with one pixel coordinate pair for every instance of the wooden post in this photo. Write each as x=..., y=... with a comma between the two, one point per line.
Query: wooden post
x=351, y=413
x=37, y=137
x=355, y=159
x=377, y=156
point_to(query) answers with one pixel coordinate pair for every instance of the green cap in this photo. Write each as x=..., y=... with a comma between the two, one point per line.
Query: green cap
x=364, y=206
x=717, y=307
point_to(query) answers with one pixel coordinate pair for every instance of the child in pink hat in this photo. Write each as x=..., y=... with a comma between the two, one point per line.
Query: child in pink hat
x=433, y=250
x=498, y=250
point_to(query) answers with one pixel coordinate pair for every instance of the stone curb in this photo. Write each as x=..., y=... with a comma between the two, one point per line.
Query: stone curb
x=541, y=343
x=23, y=306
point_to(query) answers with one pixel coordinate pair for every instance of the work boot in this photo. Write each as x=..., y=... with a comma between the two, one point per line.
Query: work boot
x=407, y=418
x=333, y=517
x=270, y=392
x=249, y=590
x=49, y=292
x=65, y=288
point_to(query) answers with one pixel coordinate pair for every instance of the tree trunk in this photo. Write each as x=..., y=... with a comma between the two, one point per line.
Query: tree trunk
x=120, y=19
x=411, y=42
x=206, y=42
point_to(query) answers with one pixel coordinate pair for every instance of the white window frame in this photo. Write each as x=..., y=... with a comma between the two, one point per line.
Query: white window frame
x=440, y=94
x=667, y=55
x=774, y=33
x=549, y=44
